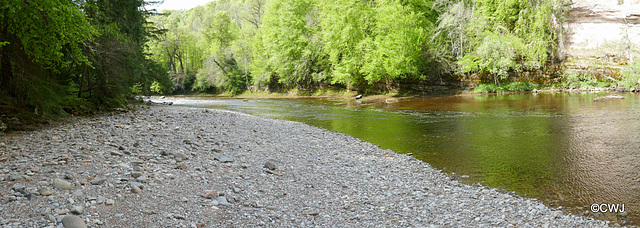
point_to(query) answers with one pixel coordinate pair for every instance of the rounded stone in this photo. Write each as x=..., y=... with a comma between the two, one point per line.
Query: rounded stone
x=45, y=191
x=76, y=210
x=61, y=184
x=270, y=165
x=72, y=221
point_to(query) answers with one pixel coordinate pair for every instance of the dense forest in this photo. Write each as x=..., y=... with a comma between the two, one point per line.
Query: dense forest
x=61, y=56
x=232, y=45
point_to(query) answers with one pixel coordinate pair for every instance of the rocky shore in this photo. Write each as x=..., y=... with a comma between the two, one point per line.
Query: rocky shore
x=164, y=166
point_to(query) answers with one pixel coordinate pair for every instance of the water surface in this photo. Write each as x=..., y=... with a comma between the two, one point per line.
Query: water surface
x=564, y=149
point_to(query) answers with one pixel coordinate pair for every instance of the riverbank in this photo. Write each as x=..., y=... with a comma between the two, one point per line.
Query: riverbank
x=163, y=166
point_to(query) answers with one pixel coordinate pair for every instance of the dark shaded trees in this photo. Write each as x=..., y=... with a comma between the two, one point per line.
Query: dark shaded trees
x=60, y=55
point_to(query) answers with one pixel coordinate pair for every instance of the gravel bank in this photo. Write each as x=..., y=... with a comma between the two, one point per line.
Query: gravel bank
x=165, y=166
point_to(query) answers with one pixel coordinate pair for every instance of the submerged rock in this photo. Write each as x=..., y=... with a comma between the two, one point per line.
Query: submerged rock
x=610, y=97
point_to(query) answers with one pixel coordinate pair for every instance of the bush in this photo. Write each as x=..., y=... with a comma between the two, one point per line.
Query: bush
x=631, y=75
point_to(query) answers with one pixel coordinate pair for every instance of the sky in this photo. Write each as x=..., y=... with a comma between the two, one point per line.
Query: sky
x=180, y=4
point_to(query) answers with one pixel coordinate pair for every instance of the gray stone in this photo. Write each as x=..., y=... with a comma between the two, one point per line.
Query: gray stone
x=136, y=184
x=136, y=189
x=61, y=184
x=223, y=158
x=72, y=221
x=124, y=165
x=98, y=181
x=50, y=218
x=77, y=193
x=45, y=191
x=117, y=153
x=181, y=156
x=270, y=165
x=110, y=202
x=18, y=187
x=136, y=174
x=222, y=201
x=143, y=179
x=76, y=210
x=14, y=177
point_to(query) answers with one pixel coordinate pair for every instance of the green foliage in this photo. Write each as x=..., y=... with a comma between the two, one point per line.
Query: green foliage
x=136, y=89
x=497, y=55
x=497, y=37
x=398, y=44
x=290, y=40
x=62, y=56
x=352, y=43
x=505, y=87
x=631, y=75
x=347, y=30
x=158, y=88
x=46, y=30
x=574, y=80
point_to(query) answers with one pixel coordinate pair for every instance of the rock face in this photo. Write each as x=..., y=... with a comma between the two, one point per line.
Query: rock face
x=602, y=27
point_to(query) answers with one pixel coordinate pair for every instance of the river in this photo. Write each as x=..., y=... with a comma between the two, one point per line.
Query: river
x=565, y=149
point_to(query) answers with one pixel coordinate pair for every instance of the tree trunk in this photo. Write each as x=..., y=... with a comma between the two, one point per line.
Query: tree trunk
x=222, y=68
x=82, y=80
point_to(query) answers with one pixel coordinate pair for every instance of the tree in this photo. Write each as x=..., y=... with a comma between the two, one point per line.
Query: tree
x=398, y=44
x=347, y=30
x=37, y=41
x=289, y=44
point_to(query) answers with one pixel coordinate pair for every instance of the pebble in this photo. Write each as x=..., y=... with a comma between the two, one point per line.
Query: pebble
x=269, y=165
x=50, y=218
x=347, y=182
x=223, y=158
x=183, y=166
x=61, y=184
x=72, y=221
x=124, y=165
x=117, y=153
x=136, y=174
x=76, y=210
x=62, y=211
x=14, y=177
x=98, y=181
x=181, y=156
x=142, y=179
x=45, y=191
x=209, y=194
x=222, y=201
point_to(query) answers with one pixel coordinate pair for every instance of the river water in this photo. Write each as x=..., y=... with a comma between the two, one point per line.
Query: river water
x=565, y=149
